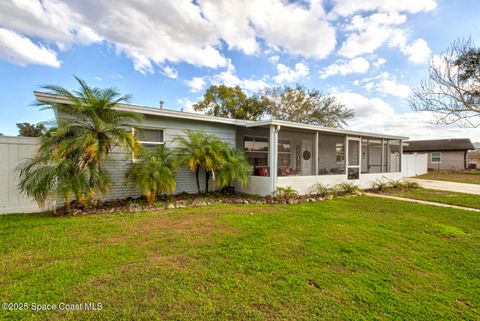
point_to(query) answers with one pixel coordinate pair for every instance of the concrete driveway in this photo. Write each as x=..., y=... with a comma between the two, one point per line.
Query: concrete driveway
x=447, y=186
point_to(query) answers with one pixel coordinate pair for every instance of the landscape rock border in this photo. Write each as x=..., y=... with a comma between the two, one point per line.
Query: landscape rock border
x=183, y=200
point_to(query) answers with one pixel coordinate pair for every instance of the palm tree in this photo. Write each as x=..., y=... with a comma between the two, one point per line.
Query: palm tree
x=235, y=169
x=44, y=177
x=200, y=150
x=155, y=172
x=91, y=129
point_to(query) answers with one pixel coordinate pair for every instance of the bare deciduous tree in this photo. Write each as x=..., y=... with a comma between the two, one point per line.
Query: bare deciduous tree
x=452, y=88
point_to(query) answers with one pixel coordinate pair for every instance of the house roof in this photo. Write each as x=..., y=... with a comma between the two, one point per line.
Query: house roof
x=57, y=99
x=437, y=145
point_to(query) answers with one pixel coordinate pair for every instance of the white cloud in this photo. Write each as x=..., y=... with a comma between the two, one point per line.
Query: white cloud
x=170, y=72
x=274, y=59
x=356, y=65
x=285, y=74
x=367, y=34
x=22, y=51
x=196, y=84
x=379, y=62
x=375, y=115
x=418, y=52
x=391, y=87
x=153, y=33
x=348, y=7
x=230, y=78
x=186, y=105
x=385, y=84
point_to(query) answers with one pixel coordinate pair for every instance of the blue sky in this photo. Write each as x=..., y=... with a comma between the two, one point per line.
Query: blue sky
x=369, y=54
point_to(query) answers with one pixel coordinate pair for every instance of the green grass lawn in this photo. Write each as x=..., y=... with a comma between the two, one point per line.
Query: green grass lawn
x=467, y=176
x=446, y=197
x=356, y=258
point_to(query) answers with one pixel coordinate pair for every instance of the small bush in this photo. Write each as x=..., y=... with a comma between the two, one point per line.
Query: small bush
x=319, y=189
x=381, y=186
x=283, y=192
x=388, y=185
x=346, y=189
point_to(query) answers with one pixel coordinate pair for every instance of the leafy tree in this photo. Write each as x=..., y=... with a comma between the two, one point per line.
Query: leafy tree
x=452, y=88
x=200, y=150
x=94, y=127
x=235, y=168
x=155, y=172
x=230, y=102
x=31, y=130
x=308, y=106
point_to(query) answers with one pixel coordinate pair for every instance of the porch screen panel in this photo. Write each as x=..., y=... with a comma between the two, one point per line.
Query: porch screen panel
x=295, y=153
x=331, y=154
x=374, y=150
x=256, y=150
x=393, y=156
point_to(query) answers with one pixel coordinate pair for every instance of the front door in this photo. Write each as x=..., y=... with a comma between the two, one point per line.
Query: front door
x=306, y=158
x=353, y=158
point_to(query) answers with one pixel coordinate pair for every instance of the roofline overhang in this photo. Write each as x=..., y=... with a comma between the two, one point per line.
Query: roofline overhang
x=283, y=123
x=57, y=99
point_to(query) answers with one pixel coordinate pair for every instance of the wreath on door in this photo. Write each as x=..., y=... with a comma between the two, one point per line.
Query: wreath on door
x=307, y=155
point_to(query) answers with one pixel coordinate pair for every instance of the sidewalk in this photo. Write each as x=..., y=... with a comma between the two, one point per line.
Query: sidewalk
x=446, y=186
x=423, y=202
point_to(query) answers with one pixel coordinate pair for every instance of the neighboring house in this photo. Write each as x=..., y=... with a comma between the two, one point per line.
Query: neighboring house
x=301, y=155
x=473, y=158
x=443, y=154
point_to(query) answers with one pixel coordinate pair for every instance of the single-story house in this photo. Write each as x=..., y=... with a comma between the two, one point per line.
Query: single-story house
x=443, y=154
x=281, y=153
x=473, y=158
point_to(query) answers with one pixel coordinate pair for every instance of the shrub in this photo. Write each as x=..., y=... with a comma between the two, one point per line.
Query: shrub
x=381, y=186
x=346, y=189
x=320, y=190
x=155, y=172
x=283, y=192
x=394, y=185
x=235, y=168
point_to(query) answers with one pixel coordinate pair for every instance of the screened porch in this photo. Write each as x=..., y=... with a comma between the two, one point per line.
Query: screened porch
x=300, y=157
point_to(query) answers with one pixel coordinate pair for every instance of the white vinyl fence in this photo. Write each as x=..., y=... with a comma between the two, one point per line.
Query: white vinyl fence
x=414, y=164
x=13, y=151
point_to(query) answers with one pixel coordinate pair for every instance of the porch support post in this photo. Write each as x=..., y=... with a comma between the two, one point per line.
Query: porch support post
x=272, y=163
x=383, y=157
x=315, y=155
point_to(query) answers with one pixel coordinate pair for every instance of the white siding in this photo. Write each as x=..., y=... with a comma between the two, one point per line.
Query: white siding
x=119, y=161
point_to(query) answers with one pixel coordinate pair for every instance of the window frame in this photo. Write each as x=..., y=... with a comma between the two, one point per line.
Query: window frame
x=150, y=128
x=135, y=159
x=440, y=156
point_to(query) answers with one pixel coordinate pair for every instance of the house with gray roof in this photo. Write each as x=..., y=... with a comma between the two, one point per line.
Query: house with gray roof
x=443, y=154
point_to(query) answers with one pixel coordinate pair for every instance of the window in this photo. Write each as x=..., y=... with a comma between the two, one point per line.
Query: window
x=436, y=157
x=256, y=150
x=149, y=138
x=340, y=153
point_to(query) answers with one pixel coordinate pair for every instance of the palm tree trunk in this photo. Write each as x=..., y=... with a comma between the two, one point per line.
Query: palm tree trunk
x=196, y=177
x=207, y=178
